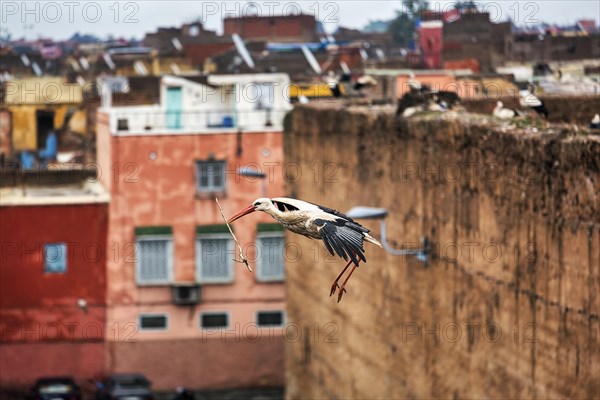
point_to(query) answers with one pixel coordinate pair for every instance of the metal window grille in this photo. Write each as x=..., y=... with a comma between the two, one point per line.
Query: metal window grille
x=153, y=322
x=214, y=320
x=154, y=260
x=270, y=262
x=269, y=318
x=210, y=176
x=214, y=258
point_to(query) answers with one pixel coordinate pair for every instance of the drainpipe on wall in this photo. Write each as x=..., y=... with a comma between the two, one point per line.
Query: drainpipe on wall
x=155, y=63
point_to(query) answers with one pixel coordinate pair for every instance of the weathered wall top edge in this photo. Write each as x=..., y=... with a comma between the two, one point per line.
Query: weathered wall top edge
x=335, y=112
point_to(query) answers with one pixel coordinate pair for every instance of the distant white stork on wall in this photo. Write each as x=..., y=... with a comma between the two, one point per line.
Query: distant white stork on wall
x=340, y=234
x=527, y=98
x=504, y=113
x=595, y=123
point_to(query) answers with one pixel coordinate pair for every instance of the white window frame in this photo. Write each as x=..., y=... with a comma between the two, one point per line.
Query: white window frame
x=202, y=313
x=259, y=276
x=283, y=318
x=210, y=188
x=228, y=258
x=159, y=314
x=138, y=259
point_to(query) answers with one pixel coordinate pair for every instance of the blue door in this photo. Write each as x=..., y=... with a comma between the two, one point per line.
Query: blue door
x=174, y=107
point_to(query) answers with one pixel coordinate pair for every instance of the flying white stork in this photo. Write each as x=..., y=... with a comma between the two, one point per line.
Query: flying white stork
x=340, y=234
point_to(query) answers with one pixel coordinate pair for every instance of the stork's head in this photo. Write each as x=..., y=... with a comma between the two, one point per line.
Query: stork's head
x=262, y=204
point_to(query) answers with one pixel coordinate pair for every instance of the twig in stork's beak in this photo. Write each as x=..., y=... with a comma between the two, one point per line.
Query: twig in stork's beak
x=242, y=212
x=242, y=258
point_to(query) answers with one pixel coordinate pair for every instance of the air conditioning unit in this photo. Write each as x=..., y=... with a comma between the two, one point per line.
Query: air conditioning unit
x=122, y=124
x=186, y=293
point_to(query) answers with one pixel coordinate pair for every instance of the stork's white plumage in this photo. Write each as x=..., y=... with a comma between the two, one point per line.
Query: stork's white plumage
x=340, y=234
x=527, y=98
x=365, y=81
x=595, y=124
x=504, y=113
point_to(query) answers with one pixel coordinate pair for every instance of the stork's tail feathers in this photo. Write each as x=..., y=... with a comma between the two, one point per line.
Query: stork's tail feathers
x=371, y=239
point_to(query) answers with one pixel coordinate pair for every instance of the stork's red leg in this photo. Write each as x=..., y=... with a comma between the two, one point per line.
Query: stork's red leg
x=335, y=283
x=342, y=290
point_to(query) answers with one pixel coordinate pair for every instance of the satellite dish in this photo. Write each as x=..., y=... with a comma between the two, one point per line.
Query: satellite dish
x=345, y=67
x=36, y=69
x=5, y=77
x=80, y=80
x=25, y=60
x=380, y=54
x=311, y=59
x=242, y=50
x=175, y=68
x=140, y=68
x=330, y=39
x=364, y=54
x=109, y=61
x=74, y=65
x=177, y=44
x=84, y=63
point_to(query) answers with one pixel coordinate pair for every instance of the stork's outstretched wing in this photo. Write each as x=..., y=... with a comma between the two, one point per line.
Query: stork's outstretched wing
x=342, y=237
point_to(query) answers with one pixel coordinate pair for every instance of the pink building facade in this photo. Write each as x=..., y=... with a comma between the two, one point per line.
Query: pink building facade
x=179, y=309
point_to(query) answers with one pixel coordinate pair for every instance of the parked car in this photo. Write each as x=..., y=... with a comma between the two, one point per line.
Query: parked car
x=125, y=387
x=55, y=388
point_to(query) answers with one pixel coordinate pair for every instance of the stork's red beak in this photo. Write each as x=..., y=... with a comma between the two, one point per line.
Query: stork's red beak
x=242, y=212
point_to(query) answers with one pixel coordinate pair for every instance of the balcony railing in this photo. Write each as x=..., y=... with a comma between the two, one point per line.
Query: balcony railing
x=152, y=120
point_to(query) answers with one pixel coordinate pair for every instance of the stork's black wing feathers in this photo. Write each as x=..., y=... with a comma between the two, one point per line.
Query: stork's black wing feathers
x=343, y=237
x=541, y=109
x=283, y=207
x=334, y=212
x=345, y=219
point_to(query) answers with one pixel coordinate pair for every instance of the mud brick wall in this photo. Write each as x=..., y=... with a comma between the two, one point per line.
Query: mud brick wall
x=509, y=305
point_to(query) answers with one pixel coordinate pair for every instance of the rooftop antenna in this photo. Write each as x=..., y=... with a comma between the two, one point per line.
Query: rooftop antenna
x=177, y=44
x=242, y=50
x=364, y=54
x=345, y=67
x=311, y=59
x=109, y=61
x=36, y=69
